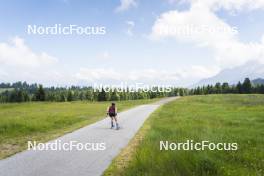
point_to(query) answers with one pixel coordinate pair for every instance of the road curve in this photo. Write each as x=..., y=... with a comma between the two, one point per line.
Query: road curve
x=81, y=162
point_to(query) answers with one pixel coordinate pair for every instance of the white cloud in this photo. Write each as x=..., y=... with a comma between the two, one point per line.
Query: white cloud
x=96, y=74
x=131, y=25
x=237, y=5
x=17, y=53
x=125, y=5
x=147, y=76
x=234, y=4
x=19, y=63
x=213, y=32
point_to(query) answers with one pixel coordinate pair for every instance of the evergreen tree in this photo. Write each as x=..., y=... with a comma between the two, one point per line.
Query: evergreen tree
x=261, y=89
x=115, y=96
x=246, y=86
x=40, y=94
x=181, y=92
x=102, y=95
x=89, y=95
x=225, y=88
x=69, y=96
x=62, y=97
x=19, y=96
x=239, y=88
x=218, y=88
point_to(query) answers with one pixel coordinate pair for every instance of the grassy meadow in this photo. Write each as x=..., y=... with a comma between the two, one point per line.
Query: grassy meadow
x=20, y=122
x=215, y=118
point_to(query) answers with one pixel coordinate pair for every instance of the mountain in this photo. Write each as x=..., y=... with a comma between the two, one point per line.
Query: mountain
x=258, y=81
x=252, y=70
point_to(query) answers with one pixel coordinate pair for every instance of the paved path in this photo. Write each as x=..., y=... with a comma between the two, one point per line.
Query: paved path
x=76, y=162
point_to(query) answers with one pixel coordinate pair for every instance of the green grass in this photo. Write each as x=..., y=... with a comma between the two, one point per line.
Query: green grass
x=20, y=122
x=216, y=118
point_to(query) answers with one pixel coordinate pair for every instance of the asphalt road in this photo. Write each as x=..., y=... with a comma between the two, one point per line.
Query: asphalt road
x=92, y=161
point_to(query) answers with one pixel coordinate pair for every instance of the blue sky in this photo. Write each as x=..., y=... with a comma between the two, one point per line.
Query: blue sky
x=131, y=50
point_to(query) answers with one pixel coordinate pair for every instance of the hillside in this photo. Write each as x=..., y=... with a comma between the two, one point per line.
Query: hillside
x=258, y=81
x=252, y=70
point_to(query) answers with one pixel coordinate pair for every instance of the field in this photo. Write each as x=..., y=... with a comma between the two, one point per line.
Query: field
x=215, y=118
x=20, y=122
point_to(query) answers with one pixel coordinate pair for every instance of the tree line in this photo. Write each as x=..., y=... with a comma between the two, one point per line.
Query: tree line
x=24, y=92
x=246, y=87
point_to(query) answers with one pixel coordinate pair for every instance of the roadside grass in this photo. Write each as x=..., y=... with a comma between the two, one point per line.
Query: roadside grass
x=43, y=121
x=215, y=118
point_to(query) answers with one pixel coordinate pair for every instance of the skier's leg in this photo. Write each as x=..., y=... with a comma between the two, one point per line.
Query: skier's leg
x=117, y=126
x=112, y=122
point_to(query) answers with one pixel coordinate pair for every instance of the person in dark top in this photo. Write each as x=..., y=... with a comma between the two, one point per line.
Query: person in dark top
x=112, y=112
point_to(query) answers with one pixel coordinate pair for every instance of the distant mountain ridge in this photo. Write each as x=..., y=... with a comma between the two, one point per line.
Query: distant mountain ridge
x=258, y=81
x=253, y=70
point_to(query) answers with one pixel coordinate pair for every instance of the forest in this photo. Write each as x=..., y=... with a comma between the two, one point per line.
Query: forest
x=24, y=92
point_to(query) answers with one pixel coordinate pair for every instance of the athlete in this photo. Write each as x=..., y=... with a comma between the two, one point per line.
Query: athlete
x=112, y=112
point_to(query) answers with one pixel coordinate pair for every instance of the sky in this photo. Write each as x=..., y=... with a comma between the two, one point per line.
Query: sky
x=158, y=42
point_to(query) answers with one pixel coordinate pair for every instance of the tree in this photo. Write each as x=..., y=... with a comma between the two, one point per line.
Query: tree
x=218, y=88
x=81, y=96
x=89, y=95
x=239, y=88
x=261, y=89
x=181, y=92
x=69, y=96
x=50, y=96
x=102, y=95
x=19, y=96
x=62, y=97
x=12, y=96
x=115, y=96
x=40, y=94
x=246, y=86
x=225, y=88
